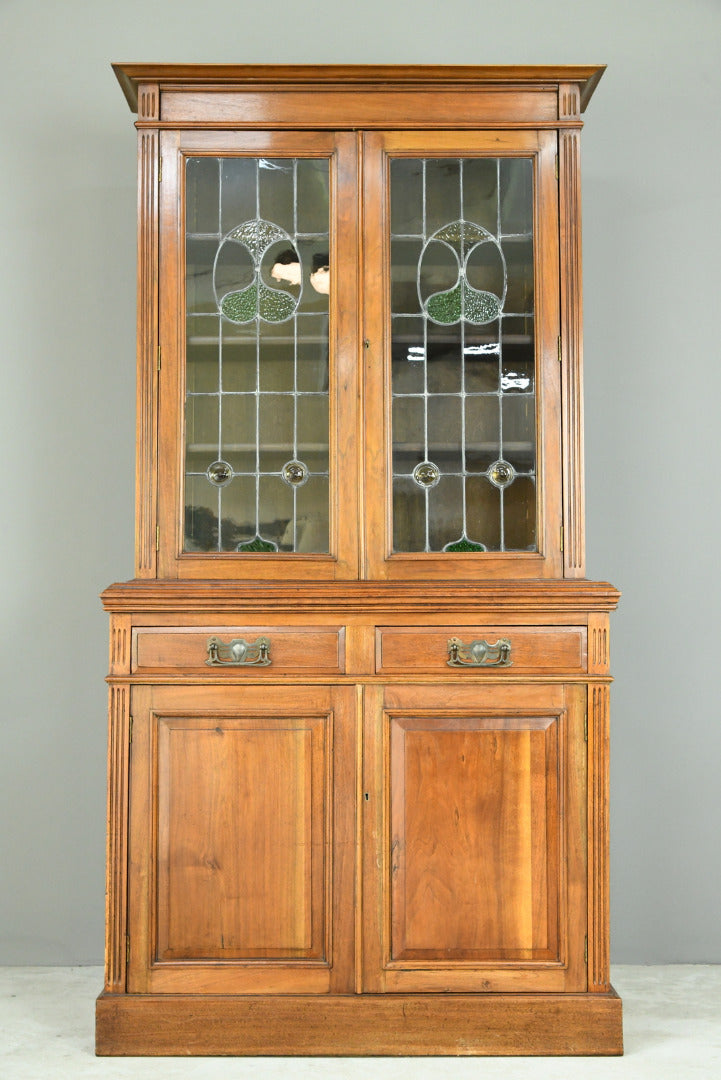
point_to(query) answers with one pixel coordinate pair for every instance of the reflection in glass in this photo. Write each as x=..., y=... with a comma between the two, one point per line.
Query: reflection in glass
x=463, y=355
x=257, y=282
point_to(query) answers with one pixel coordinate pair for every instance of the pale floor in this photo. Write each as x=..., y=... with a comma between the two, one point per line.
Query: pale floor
x=672, y=1025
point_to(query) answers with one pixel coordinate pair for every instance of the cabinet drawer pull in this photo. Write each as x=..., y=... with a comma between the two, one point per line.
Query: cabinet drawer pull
x=238, y=652
x=479, y=653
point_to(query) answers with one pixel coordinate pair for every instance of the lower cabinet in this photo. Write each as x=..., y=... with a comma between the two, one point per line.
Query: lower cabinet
x=330, y=839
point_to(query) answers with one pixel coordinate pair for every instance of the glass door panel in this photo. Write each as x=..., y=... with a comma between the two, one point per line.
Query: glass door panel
x=257, y=406
x=260, y=262
x=462, y=343
x=464, y=296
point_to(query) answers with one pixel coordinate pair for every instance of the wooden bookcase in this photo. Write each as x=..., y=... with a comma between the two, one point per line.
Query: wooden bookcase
x=358, y=748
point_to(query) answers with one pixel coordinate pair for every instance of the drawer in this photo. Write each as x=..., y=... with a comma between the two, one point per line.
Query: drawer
x=295, y=650
x=535, y=649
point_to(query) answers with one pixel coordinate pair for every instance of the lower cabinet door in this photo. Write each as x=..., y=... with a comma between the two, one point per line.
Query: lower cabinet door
x=242, y=831
x=475, y=838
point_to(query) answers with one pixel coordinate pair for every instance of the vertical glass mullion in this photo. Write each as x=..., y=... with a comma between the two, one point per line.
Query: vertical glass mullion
x=463, y=382
x=426, y=493
x=295, y=360
x=257, y=373
x=220, y=369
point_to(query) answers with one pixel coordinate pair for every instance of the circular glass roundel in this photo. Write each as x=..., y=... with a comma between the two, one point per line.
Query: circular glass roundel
x=295, y=473
x=219, y=473
x=426, y=474
x=501, y=473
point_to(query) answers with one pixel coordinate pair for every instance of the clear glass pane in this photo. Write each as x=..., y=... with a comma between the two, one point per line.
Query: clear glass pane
x=463, y=354
x=519, y=515
x=312, y=516
x=201, y=354
x=407, y=197
x=201, y=514
x=202, y=196
x=237, y=522
x=201, y=432
x=483, y=432
x=238, y=432
x=409, y=515
x=257, y=284
x=519, y=431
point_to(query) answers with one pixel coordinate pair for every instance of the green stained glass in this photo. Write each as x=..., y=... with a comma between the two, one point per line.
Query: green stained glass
x=464, y=544
x=463, y=301
x=273, y=305
x=257, y=544
x=242, y=306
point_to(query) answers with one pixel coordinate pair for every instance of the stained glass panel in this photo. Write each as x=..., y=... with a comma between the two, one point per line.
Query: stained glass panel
x=463, y=355
x=257, y=283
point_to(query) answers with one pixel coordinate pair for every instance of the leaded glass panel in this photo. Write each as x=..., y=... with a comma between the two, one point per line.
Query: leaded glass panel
x=257, y=283
x=463, y=355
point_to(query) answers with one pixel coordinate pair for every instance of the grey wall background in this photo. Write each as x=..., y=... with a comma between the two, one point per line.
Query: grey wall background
x=651, y=167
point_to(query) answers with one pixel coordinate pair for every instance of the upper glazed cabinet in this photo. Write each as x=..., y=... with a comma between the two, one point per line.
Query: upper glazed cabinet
x=359, y=354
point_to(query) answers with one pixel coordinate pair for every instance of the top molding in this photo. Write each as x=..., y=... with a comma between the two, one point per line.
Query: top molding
x=372, y=76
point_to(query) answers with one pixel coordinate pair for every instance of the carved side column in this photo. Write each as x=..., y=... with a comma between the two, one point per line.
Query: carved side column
x=569, y=194
x=147, y=398
x=598, y=831
x=117, y=849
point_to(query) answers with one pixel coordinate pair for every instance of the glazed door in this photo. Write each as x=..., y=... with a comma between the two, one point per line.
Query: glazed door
x=463, y=384
x=238, y=835
x=258, y=355
x=475, y=859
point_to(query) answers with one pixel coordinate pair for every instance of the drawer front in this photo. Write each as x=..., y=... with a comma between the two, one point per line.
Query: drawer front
x=297, y=650
x=535, y=649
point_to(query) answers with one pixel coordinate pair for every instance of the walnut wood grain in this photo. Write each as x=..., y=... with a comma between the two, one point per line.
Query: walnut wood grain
x=538, y=597
x=407, y=650
x=396, y=1025
x=354, y=76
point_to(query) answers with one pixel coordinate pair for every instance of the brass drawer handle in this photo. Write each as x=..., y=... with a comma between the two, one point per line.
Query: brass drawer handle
x=238, y=652
x=479, y=653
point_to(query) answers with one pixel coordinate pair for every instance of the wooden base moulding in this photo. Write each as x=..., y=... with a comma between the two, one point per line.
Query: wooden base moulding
x=396, y=1025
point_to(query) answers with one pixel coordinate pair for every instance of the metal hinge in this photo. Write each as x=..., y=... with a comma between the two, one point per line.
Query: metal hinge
x=130, y=730
x=556, y=166
x=159, y=357
x=157, y=538
x=585, y=727
x=160, y=170
x=585, y=949
x=561, y=538
x=560, y=350
x=127, y=948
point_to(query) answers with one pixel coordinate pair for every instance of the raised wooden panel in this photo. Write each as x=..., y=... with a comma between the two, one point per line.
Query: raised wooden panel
x=475, y=838
x=236, y=816
x=300, y=650
x=476, y=804
x=408, y=649
x=242, y=811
